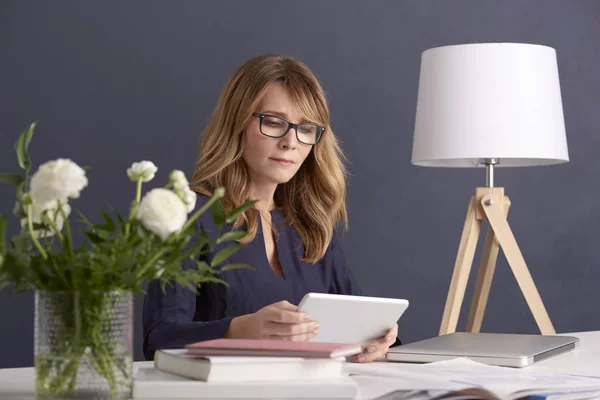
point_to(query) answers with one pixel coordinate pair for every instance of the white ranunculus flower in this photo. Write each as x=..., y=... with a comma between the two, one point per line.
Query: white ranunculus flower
x=162, y=212
x=52, y=214
x=142, y=169
x=58, y=179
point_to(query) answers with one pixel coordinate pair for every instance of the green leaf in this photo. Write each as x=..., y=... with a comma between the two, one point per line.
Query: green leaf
x=20, y=149
x=22, y=145
x=18, y=210
x=218, y=214
x=212, y=279
x=95, y=238
x=29, y=135
x=194, y=250
x=83, y=218
x=185, y=283
x=12, y=179
x=235, y=235
x=236, y=266
x=203, y=267
x=224, y=254
x=142, y=232
x=104, y=260
x=236, y=212
x=12, y=268
x=22, y=244
x=103, y=227
x=129, y=278
x=122, y=222
x=110, y=224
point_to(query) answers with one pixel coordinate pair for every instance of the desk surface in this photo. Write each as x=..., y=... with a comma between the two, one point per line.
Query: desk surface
x=18, y=383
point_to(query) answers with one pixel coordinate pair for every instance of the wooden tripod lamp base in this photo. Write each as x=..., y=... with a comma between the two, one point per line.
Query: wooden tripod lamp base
x=489, y=203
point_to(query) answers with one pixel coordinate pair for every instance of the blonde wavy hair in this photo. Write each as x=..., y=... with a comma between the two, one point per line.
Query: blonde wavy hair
x=314, y=200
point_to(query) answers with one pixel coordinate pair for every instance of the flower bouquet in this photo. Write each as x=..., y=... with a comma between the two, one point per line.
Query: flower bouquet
x=84, y=292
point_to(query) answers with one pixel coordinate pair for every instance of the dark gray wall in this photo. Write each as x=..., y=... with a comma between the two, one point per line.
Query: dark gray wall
x=112, y=82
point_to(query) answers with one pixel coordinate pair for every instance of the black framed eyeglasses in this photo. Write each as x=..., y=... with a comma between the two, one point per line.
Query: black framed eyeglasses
x=276, y=127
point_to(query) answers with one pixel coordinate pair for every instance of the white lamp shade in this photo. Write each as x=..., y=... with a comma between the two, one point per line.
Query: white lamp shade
x=489, y=100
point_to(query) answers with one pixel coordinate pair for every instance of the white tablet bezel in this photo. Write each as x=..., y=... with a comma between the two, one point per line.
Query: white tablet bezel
x=352, y=319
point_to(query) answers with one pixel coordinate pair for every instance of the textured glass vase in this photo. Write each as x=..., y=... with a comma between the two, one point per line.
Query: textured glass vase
x=83, y=345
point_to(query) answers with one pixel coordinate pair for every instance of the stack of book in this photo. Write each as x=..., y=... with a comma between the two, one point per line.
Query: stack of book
x=235, y=368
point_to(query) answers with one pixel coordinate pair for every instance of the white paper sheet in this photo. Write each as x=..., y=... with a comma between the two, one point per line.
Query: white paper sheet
x=461, y=373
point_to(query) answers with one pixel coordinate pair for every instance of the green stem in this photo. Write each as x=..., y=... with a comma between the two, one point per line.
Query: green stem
x=67, y=225
x=134, y=205
x=216, y=196
x=35, y=241
x=150, y=263
x=56, y=270
x=138, y=191
x=55, y=228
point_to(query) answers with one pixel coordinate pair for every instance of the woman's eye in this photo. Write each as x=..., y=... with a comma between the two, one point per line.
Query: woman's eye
x=273, y=124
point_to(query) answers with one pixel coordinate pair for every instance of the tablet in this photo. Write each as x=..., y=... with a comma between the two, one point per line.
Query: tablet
x=352, y=319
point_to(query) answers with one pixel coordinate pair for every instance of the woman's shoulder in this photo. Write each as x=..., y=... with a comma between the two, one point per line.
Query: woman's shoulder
x=201, y=200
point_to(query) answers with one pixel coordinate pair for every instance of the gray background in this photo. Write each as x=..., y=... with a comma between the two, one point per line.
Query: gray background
x=112, y=82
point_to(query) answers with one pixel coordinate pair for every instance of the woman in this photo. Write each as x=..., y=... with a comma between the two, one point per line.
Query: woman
x=268, y=140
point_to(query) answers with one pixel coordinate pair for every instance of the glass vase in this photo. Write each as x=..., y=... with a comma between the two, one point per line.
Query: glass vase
x=83, y=345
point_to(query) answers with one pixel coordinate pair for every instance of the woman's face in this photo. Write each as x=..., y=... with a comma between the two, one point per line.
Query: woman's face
x=274, y=160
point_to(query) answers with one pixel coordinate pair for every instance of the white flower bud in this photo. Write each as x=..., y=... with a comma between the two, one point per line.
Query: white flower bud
x=143, y=169
x=181, y=187
x=189, y=198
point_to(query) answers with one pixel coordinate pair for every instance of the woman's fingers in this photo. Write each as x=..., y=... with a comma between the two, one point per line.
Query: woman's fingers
x=390, y=336
x=281, y=315
x=292, y=329
x=304, y=337
x=372, y=352
x=379, y=348
x=285, y=305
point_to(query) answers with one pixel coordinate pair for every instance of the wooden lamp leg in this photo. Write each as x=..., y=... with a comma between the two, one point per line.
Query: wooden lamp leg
x=513, y=255
x=462, y=268
x=485, y=275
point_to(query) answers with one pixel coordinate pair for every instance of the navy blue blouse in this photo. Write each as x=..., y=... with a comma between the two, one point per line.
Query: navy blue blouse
x=179, y=317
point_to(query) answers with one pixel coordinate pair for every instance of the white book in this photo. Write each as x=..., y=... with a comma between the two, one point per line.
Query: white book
x=150, y=383
x=233, y=369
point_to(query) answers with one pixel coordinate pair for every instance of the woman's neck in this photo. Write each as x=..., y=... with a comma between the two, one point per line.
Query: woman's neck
x=265, y=196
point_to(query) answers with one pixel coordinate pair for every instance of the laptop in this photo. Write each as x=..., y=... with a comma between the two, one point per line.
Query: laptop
x=501, y=349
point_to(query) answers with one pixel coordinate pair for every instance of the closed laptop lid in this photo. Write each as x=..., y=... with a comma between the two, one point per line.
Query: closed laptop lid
x=491, y=348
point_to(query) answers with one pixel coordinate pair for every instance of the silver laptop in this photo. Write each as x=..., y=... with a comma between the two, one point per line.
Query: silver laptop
x=502, y=349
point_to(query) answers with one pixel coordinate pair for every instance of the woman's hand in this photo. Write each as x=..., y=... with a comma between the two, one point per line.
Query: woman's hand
x=379, y=348
x=280, y=321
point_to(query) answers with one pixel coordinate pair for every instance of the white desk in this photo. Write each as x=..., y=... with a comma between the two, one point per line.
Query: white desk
x=18, y=383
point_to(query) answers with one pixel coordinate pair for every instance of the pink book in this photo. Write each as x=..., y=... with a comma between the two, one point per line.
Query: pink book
x=272, y=348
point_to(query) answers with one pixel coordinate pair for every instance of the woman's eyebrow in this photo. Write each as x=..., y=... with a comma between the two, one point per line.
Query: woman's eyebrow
x=273, y=112
x=283, y=115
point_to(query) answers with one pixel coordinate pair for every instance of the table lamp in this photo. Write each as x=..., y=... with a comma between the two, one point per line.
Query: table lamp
x=489, y=105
